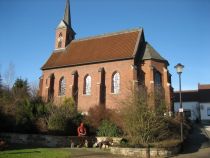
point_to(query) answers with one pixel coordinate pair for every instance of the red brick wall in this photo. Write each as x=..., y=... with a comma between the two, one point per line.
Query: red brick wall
x=84, y=101
x=127, y=76
x=64, y=35
x=148, y=66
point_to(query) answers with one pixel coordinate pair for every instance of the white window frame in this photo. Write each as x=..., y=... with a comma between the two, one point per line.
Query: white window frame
x=116, y=83
x=87, y=85
x=62, y=87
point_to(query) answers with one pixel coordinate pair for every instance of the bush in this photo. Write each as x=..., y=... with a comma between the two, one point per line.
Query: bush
x=22, y=110
x=97, y=114
x=41, y=125
x=24, y=117
x=166, y=143
x=64, y=119
x=108, y=129
x=124, y=143
x=143, y=120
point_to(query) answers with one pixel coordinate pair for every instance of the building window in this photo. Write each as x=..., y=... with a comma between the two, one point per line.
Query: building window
x=187, y=113
x=59, y=44
x=208, y=111
x=87, y=85
x=116, y=83
x=157, y=78
x=60, y=39
x=62, y=87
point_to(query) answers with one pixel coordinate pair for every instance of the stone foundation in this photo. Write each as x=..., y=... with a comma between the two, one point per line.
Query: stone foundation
x=144, y=152
x=43, y=140
x=51, y=141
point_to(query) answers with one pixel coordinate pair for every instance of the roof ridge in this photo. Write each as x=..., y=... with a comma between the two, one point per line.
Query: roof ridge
x=108, y=34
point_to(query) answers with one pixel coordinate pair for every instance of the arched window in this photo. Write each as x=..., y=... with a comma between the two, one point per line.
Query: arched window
x=60, y=44
x=157, y=78
x=116, y=83
x=62, y=87
x=60, y=38
x=87, y=85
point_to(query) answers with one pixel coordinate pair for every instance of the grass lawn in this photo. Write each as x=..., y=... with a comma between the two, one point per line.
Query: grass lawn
x=57, y=153
x=36, y=153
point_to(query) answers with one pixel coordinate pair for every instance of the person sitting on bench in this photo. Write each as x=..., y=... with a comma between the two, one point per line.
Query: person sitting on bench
x=81, y=130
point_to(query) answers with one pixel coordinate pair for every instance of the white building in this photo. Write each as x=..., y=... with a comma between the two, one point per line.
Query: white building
x=196, y=103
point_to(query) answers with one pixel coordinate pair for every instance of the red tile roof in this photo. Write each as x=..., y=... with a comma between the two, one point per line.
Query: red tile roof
x=116, y=46
x=203, y=86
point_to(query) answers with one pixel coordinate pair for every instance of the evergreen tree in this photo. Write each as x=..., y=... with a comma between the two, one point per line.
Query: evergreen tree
x=21, y=88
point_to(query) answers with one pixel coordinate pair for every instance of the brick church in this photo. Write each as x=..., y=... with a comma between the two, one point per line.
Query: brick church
x=99, y=70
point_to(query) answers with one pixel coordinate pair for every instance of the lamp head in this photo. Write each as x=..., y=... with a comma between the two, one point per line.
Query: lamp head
x=179, y=67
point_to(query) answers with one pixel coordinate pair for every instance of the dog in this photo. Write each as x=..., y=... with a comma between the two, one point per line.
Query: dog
x=106, y=144
x=86, y=143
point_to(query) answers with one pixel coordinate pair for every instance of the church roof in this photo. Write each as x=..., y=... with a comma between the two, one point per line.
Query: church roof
x=151, y=53
x=108, y=47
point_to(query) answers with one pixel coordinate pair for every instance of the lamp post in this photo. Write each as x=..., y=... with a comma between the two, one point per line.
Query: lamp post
x=179, y=67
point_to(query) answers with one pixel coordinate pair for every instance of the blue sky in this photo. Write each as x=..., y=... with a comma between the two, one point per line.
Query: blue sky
x=178, y=29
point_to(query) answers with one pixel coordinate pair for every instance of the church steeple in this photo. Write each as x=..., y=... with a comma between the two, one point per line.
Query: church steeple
x=67, y=15
x=64, y=32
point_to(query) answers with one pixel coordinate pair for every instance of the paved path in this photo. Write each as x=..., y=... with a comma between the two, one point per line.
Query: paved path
x=197, y=145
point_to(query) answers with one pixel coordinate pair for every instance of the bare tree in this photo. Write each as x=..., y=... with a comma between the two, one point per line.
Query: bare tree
x=0, y=82
x=9, y=75
x=144, y=123
x=34, y=89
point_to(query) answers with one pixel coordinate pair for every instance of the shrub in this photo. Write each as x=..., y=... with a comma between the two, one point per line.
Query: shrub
x=64, y=119
x=108, y=129
x=25, y=112
x=166, y=143
x=143, y=120
x=24, y=117
x=39, y=108
x=124, y=143
x=97, y=114
x=41, y=125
